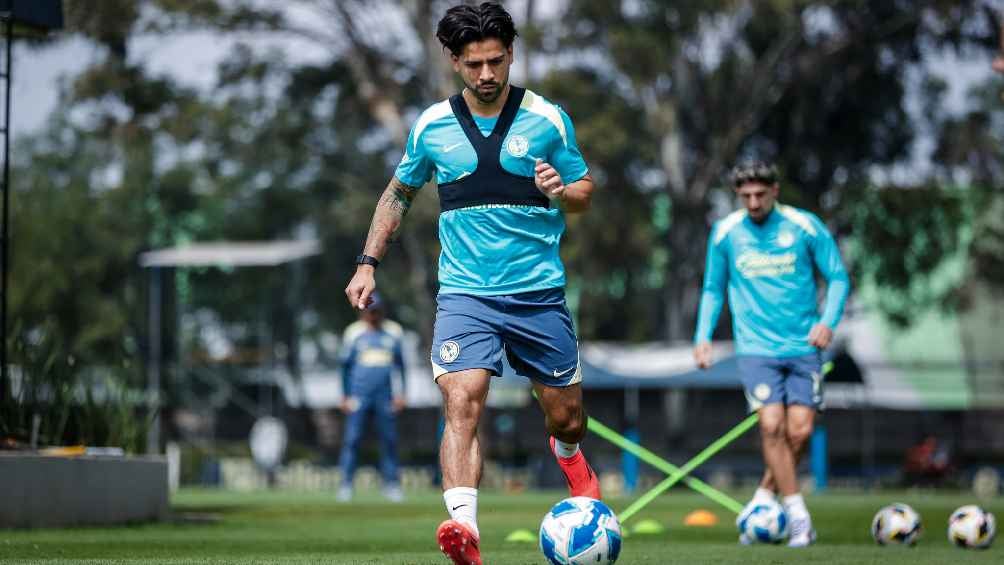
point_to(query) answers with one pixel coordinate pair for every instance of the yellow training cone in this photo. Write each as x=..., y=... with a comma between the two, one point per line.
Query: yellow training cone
x=648, y=527
x=701, y=518
x=521, y=536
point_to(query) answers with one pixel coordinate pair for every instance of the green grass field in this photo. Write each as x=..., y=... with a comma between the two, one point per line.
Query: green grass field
x=281, y=527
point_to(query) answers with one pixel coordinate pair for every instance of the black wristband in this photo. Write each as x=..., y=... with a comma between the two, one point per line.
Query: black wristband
x=367, y=260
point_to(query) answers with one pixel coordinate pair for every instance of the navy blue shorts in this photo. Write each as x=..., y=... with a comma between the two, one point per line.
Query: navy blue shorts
x=533, y=329
x=785, y=380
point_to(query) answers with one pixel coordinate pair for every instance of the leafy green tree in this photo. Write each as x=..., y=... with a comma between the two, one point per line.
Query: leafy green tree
x=90, y=192
x=817, y=86
x=665, y=96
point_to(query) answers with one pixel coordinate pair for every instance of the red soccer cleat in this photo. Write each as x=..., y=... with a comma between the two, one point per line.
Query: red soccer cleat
x=459, y=543
x=581, y=479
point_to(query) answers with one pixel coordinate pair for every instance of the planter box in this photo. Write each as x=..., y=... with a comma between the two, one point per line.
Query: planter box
x=40, y=491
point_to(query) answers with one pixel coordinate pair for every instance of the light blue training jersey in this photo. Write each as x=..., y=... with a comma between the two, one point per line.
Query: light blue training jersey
x=768, y=267
x=496, y=249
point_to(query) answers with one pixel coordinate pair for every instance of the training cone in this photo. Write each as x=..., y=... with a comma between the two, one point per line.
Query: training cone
x=646, y=527
x=521, y=536
x=700, y=518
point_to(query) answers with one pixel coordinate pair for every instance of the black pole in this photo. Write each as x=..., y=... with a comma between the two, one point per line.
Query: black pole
x=154, y=362
x=5, y=240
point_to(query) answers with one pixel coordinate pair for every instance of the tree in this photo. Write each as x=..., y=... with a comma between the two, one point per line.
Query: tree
x=816, y=86
x=664, y=96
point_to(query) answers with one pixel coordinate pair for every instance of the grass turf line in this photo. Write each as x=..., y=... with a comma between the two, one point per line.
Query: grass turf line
x=218, y=527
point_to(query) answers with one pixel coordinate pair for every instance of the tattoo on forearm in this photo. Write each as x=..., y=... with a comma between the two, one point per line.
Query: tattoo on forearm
x=391, y=209
x=398, y=197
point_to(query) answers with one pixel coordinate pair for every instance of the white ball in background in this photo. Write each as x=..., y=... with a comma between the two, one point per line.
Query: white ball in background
x=896, y=524
x=986, y=482
x=972, y=527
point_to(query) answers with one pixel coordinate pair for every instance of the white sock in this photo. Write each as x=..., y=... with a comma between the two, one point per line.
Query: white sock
x=794, y=505
x=462, y=504
x=763, y=495
x=565, y=450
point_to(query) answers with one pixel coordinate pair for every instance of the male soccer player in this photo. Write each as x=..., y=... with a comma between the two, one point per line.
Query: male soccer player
x=371, y=355
x=765, y=253
x=508, y=170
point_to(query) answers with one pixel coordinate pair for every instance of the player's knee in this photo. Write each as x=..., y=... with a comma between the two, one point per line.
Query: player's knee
x=568, y=424
x=462, y=409
x=772, y=430
x=799, y=434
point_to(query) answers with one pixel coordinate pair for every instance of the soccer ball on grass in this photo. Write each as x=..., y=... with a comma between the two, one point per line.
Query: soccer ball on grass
x=896, y=524
x=971, y=526
x=764, y=522
x=580, y=530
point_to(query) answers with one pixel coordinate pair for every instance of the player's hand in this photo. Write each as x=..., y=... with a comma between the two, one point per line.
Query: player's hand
x=998, y=64
x=361, y=286
x=398, y=403
x=702, y=354
x=547, y=179
x=349, y=404
x=820, y=336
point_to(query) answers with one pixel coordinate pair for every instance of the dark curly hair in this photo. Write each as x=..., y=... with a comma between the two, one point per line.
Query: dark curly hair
x=466, y=24
x=753, y=171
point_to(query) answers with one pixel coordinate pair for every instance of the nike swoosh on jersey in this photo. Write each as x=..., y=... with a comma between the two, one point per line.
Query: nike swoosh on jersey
x=557, y=374
x=448, y=148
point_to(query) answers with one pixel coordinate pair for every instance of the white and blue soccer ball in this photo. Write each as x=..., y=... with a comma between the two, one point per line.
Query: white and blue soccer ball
x=580, y=530
x=896, y=524
x=764, y=522
x=972, y=527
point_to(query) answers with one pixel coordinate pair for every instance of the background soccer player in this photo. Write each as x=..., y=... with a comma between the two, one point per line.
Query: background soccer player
x=508, y=171
x=766, y=254
x=371, y=354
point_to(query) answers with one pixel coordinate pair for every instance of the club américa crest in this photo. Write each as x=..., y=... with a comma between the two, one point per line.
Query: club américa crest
x=449, y=351
x=517, y=145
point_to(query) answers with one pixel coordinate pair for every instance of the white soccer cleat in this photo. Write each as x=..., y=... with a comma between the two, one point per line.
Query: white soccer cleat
x=753, y=503
x=393, y=493
x=344, y=494
x=802, y=533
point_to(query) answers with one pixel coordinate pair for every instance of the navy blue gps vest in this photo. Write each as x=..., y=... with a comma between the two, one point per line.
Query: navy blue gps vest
x=489, y=183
